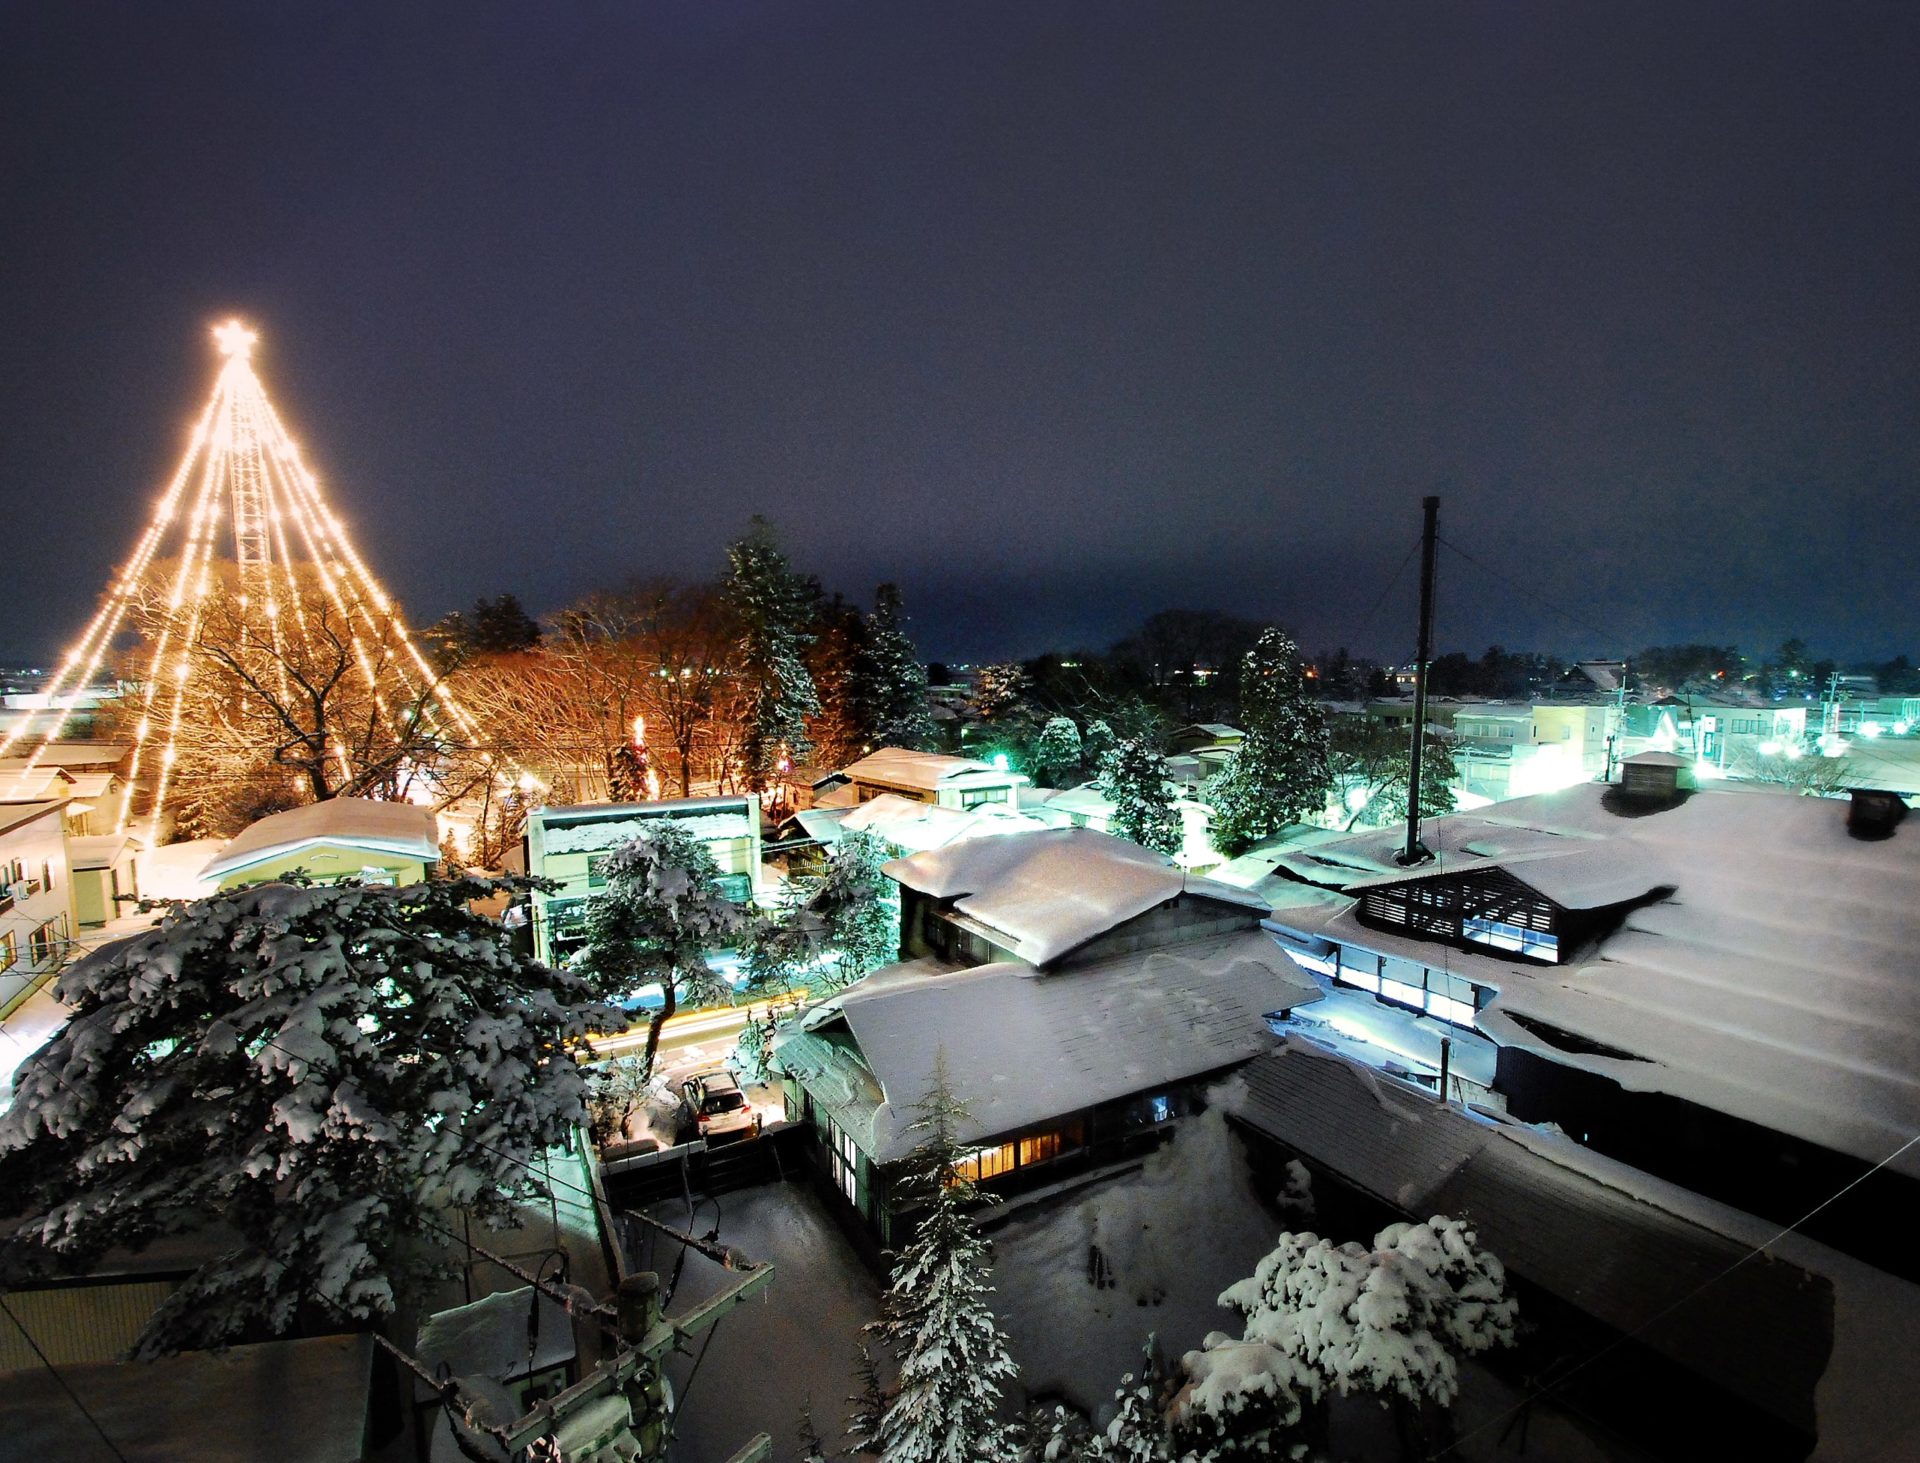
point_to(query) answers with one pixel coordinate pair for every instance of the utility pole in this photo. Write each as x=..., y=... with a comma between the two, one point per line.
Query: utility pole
x=1416, y=852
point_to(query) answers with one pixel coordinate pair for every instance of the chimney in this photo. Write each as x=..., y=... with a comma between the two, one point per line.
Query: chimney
x=1874, y=813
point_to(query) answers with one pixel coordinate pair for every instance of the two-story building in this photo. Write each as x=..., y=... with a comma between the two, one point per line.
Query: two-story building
x=1074, y=991
x=1711, y=984
x=570, y=845
x=36, y=898
x=934, y=777
x=364, y=839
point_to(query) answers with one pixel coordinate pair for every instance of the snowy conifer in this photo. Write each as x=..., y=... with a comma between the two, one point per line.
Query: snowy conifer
x=313, y=1071
x=890, y=682
x=1058, y=754
x=627, y=773
x=775, y=953
x=1136, y=779
x=997, y=690
x=935, y=1316
x=859, y=905
x=770, y=602
x=1281, y=772
x=659, y=915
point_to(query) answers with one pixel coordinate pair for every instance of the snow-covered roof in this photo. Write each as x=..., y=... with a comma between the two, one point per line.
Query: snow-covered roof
x=70, y=754
x=488, y=1337
x=1775, y=984
x=916, y=826
x=99, y=851
x=1052, y=891
x=1655, y=759
x=1585, y=876
x=1615, y=1243
x=1019, y=1050
x=925, y=771
x=379, y=827
x=13, y=815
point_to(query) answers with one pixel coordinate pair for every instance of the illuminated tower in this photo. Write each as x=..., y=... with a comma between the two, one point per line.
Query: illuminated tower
x=242, y=516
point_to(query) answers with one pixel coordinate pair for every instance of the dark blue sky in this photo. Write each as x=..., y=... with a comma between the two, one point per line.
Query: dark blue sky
x=1055, y=314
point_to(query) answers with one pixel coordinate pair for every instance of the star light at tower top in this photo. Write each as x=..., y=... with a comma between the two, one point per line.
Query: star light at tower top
x=235, y=339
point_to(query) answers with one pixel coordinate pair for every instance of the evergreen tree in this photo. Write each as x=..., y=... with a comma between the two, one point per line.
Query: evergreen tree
x=889, y=683
x=659, y=915
x=500, y=626
x=310, y=1074
x=627, y=767
x=807, y=1437
x=1058, y=754
x=869, y=1401
x=775, y=952
x=935, y=1316
x=1281, y=772
x=770, y=602
x=842, y=728
x=997, y=691
x=859, y=905
x=1135, y=777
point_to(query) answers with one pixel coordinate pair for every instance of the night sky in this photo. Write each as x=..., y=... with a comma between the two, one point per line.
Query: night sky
x=1055, y=314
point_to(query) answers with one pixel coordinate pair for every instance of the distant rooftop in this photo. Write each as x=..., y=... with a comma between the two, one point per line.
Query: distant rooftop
x=398, y=828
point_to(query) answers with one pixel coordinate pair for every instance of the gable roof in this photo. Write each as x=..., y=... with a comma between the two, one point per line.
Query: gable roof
x=1053, y=891
x=14, y=815
x=924, y=771
x=379, y=827
x=1018, y=1050
x=916, y=826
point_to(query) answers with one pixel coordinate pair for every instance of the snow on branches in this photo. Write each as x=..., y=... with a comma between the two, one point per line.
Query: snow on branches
x=309, y=1071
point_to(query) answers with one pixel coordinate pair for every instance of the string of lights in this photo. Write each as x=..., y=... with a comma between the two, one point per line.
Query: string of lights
x=241, y=496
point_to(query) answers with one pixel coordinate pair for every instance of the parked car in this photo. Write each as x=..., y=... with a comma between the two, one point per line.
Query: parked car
x=718, y=1107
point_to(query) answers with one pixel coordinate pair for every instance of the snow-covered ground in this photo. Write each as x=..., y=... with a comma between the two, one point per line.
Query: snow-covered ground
x=172, y=871
x=790, y=1346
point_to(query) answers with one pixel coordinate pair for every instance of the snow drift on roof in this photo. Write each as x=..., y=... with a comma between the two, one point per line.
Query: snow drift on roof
x=399, y=828
x=1053, y=891
x=1019, y=1051
x=898, y=767
x=916, y=826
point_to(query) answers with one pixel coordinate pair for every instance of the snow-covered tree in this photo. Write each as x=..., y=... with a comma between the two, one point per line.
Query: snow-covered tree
x=890, y=683
x=842, y=728
x=1139, y=1432
x=997, y=690
x=770, y=603
x=1136, y=778
x=1280, y=773
x=936, y=1316
x=659, y=915
x=1371, y=763
x=616, y=1090
x=1058, y=754
x=312, y=1071
x=858, y=904
x=775, y=952
x=627, y=767
x=1321, y=1317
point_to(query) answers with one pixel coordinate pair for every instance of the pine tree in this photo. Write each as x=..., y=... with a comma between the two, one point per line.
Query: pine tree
x=775, y=952
x=313, y=1073
x=997, y=690
x=627, y=773
x=1281, y=772
x=1135, y=778
x=843, y=727
x=659, y=915
x=935, y=1316
x=807, y=1437
x=770, y=602
x=1058, y=755
x=889, y=682
x=859, y=905
x=869, y=1401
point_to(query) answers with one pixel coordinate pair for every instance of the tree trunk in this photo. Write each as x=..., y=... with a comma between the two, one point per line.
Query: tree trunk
x=654, y=1023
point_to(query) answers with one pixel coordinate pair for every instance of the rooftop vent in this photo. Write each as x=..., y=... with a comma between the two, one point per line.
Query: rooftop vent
x=1874, y=813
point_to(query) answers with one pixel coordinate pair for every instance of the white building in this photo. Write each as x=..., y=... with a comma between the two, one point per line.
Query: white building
x=933, y=777
x=36, y=898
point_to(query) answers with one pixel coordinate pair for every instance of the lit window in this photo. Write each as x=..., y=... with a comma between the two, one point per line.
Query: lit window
x=1517, y=938
x=986, y=1163
x=1410, y=995
x=1357, y=968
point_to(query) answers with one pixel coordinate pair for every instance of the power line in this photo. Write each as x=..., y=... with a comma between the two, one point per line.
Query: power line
x=54, y=1372
x=1521, y=589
